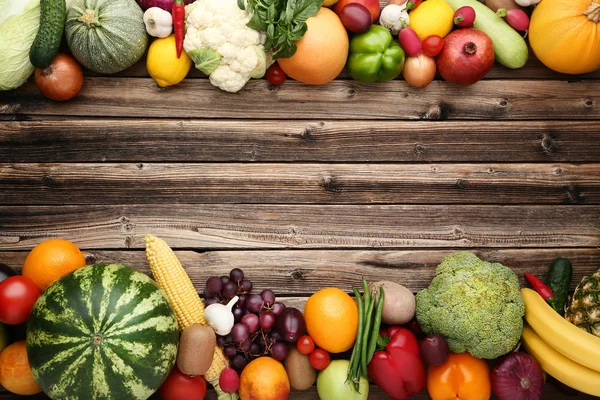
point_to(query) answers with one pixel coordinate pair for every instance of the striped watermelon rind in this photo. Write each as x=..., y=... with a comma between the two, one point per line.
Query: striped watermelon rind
x=104, y=331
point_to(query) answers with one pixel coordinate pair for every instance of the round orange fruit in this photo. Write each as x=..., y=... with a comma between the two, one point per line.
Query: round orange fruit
x=50, y=260
x=15, y=372
x=331, y=317
x=264, y=378
x=321, y=53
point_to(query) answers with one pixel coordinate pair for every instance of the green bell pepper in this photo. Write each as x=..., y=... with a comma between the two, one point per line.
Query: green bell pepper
x=375, y=56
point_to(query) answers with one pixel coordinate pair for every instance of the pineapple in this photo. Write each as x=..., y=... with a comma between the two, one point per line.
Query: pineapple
x=583, y=310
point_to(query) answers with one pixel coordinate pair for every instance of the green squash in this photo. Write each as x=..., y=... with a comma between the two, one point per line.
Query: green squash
x=106, y=36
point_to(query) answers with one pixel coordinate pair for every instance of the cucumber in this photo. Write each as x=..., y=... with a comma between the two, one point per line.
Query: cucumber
x=560, y=274
x=53, y=14
x=510, y=48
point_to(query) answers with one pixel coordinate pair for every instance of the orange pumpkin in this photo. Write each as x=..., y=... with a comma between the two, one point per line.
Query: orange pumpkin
x=565, y=35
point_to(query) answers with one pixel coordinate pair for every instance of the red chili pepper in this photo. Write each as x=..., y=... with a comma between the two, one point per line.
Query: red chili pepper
x=541, y=288
x=412, y=4
x=178, y=13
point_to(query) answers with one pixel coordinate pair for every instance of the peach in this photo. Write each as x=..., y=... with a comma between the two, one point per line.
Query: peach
x=266, y=379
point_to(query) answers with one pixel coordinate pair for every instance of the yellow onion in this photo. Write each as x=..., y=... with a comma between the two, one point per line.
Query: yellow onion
x=419, y=71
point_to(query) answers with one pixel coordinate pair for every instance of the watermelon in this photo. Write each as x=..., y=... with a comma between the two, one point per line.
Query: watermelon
x=104, y=331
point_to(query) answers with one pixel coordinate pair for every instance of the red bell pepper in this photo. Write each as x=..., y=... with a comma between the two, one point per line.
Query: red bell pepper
x=398, y=369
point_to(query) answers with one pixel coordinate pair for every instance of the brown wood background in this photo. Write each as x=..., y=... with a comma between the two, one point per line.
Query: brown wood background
x=306, y=187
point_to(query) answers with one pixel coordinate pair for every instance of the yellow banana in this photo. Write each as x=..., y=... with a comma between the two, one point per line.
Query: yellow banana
x=564, y=337
x=560, y=367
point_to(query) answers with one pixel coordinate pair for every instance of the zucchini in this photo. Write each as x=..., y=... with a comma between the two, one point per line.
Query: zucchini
x=560, y=274
x=53, y=14
x=510, y=48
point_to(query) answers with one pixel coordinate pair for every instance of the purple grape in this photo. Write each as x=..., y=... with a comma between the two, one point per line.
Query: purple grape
x=279, y=351
x=278, y=308
x=224, y=279
x=267, y=320
x=260, y=341
x=242, y=300
x=254, y=303
x=246, y=286
x=211, y=300
x=236, y=275
x=229, y=290
x=251, y=321
x=275, y=336
x=221, y=341
x=247, y=344
x=268, y=296
x=255, y=349
x=229, y=351
x=214, y=285
x=238, y=362
x=356, y=17
x=239, y=333
x=291, y=324
x=228, y=338
x=238, y=313
x=434, y=350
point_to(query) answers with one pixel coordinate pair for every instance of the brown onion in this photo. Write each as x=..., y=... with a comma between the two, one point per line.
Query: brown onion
x=61, y=80
x=419, y=71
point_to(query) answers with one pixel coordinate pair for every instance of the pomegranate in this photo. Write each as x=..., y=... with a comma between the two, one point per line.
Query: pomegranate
x=467, y=56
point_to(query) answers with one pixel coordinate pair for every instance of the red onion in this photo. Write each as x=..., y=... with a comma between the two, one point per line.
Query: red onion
x=164, y=4
x=517, y=377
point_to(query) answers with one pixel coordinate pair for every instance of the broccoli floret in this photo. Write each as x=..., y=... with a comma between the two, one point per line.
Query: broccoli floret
x=476, y=305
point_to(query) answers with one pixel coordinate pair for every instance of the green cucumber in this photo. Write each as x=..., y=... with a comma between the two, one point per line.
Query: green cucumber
x=559, y=278
x=53, y=14
x=510, y=48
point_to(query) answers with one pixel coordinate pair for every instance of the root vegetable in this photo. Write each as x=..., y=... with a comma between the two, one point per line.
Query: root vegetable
x=398, y=303
x=410, y=42
x=419, y=71
x=464, y=17
x=495, y=5
x=516, y=18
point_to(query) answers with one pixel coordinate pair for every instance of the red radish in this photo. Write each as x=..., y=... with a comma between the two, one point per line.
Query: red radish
x=410, y=42
x=516, y=18
x=517, y=376
x=464, y=17
x=467, y=56
x=229, y=381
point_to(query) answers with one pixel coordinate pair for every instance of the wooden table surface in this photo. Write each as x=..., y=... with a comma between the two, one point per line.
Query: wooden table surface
x=306, y=187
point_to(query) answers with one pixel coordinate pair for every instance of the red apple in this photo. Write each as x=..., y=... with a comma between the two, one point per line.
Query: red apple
x=372, y=6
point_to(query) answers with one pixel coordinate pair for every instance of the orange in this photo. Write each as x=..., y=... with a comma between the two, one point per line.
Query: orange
x=264, y=378
x=15, y=373
x=331, y=317
x=50, y=260
x=322, y=52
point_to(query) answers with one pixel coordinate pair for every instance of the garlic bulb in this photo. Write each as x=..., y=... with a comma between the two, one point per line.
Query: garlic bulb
x=220, y=317
x=527, y=3
x=394, y=17
x=159, y=23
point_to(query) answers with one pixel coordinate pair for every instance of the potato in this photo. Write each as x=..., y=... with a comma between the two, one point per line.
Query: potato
x=196, y=348
x=496, y=4
x=398, y=303
x=301, y=374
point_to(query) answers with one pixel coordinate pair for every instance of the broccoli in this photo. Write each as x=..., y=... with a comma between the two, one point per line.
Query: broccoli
x=474, y=304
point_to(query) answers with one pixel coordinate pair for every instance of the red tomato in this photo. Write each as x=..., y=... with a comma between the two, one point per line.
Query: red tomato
x=319, y=359
x=433, y=45
x=18, y=294
x=275, y=75
x=180, y=386
x=305, y=345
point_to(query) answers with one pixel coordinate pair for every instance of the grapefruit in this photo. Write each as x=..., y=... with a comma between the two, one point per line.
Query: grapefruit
x=322, y=52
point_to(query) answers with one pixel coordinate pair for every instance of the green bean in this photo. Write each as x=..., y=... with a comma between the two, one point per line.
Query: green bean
x=356, y=350
x=365, y=338
x=376, y=326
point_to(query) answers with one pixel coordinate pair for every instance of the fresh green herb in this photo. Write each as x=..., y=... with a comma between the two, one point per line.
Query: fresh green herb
x=284, y=21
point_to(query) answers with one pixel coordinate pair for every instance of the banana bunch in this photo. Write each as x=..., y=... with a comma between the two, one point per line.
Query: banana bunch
x=569, y=354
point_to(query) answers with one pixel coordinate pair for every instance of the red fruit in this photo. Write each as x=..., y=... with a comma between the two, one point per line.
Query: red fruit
x=275, y=75
x=464, y=17
x=467, y=56
x=305, y=344
x=18, y=294
x=432, y=46
x=319, y=359
x=179, y=386
x=372, y=5
x=356, y=18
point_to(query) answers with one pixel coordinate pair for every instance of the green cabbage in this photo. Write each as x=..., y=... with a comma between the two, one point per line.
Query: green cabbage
x=19, y=23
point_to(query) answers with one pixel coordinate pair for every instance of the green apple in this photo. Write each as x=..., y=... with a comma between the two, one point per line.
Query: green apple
x=3, y=337
x=332, y=383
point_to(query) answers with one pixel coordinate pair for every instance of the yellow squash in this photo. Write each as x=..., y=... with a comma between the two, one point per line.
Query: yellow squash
x=565, y=35
x=432, y=17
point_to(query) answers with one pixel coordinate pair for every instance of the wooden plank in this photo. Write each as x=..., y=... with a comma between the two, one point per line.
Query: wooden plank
x=125, y=140
x=336, y=100
x=30, y=184
x=304, y=272
x=225, y=226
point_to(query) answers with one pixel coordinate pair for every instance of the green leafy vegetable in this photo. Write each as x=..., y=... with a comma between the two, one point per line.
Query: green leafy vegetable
x=206, y=60
x=284, y=21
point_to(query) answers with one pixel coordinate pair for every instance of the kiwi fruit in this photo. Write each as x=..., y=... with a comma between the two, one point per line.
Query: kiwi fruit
x=196, y=348
x=301, y=374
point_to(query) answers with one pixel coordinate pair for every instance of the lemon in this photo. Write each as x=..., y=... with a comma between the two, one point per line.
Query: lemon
x=432, y=17
x=163, y=65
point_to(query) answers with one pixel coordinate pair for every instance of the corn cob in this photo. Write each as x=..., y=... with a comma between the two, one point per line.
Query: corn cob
x=183, y=298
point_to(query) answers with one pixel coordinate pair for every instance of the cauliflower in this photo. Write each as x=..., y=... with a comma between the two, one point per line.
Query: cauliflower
x=476, y=305
x=221, y=44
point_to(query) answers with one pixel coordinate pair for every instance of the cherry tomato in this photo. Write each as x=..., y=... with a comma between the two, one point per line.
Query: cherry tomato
x=275, y=75
x=18, y=294
x=180, y=386
x=433, y=45
x=319, y=359
x=305, y=345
